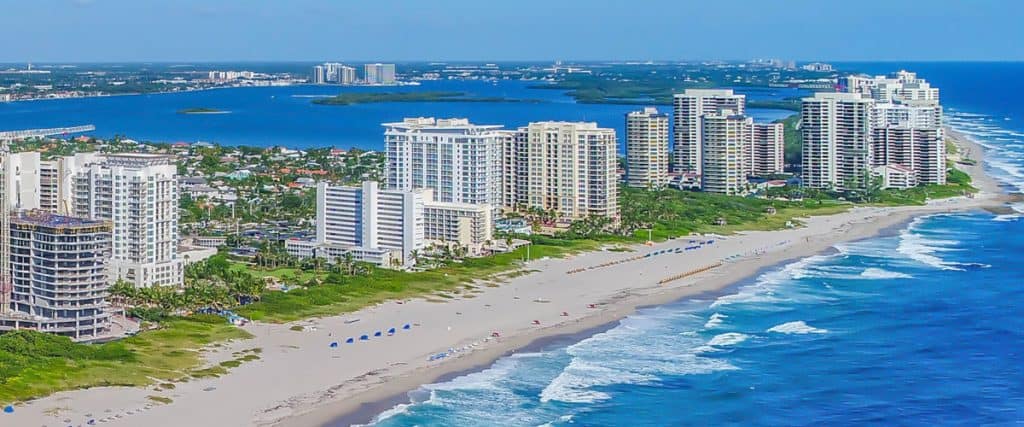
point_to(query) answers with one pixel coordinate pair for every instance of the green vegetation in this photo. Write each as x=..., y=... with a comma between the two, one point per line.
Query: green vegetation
x=375, y=97
x=793, y=140
x=958, y=183
x=672, y=213
x=160, y=399
x=34, y=364
x=201, y=110
x=589, y=90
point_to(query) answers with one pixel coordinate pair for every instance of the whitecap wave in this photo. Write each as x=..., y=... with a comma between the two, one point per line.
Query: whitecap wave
x=923, y=249
x=715, y=320
x=798, y=327
x=728, y=339
x=880, y=273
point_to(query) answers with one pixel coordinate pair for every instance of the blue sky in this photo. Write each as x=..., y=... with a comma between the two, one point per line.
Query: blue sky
x=301, y=30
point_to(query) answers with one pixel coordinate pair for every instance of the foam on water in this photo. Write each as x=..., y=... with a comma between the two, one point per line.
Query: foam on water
x=715, y=320
x=797, y=327
x=880, y=273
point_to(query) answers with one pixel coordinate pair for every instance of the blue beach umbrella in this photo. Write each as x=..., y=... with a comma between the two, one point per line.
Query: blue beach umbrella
x=377, y=334
x=8, y=409
x=406, y=326
x=334, y=344
x=391, y=331
x=350, y=341
x=364, y=337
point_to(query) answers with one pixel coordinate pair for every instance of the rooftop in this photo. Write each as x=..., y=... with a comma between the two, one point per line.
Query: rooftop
x=46, y=219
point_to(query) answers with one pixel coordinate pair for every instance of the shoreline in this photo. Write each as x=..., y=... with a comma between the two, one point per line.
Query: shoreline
x=364, y=407
x=300, y=381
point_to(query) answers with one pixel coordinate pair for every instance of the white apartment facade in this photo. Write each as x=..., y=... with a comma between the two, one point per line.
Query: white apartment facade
x=139, y=194
x=836, y=129
x=688, y=107
x=647, y=155
x=725, y=150
x=566, y=167
x=767, y=149
x=459, y=160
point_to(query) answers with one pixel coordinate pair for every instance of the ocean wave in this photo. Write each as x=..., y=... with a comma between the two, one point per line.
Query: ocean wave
x=880, y=273
x=798, y=327
x=727, y=339
x=715, y=320
x=923, y=249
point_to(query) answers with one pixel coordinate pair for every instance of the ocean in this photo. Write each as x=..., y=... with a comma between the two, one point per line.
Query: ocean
x=920, y=326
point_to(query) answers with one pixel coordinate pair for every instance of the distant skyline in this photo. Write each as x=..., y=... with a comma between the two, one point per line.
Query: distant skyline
x=446, y=30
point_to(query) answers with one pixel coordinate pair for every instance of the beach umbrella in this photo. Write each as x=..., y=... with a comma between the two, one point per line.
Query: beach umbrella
x=364, y=337
x=406, y=326
x=391, y=331
x=377, y=334
x=9, y=409
x=350, y=341
x=334, y=344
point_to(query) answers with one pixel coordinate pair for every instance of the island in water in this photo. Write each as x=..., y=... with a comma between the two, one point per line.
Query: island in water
x=202, y=110
x=435, y=96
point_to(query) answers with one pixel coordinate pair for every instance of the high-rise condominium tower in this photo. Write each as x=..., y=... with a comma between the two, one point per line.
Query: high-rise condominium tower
x=459, y=160
x=726, y=141
x=688, y=107
x=836, y=130
x=139, y=194
x=565, y=167
x=646, y=148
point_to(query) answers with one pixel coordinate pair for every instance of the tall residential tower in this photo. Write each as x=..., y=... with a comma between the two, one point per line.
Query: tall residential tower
x=646, y=148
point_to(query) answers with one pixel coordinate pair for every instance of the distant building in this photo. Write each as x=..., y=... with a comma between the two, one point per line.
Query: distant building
x=319, y=75
x=817, y=67
x=59, y=289
x=565, y=167
x=688, y=107
x=767, y=148
x=647, y=148
x=347, y=75
x=725, y=137
x=901, y=86
x=836, y=129
x=381, y=74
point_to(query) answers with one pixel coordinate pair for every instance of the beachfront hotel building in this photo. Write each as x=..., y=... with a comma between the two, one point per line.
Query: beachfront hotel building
x=459, y=160
x=688, y=107
x=725, y=150
x=767, y=149
x=59, y=275
x=920, y=150
x=386, y=227
x=836, y=130
x=139, y=194
x=565, y=167
x=647, y=154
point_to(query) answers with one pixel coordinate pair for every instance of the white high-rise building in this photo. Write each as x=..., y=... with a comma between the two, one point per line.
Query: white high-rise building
x=381, y=74
x=725, y=145
x=139, y=194
x=459, y=160
x=646, y=148
x=378, y=226
x=319, y=75
x=47, y=185
x=347, y=75
x=836, y=129
x=22, y=180
x=910, y=134
x=767, y=149
x=565, y=167
x=688, y=107
x=900, y=86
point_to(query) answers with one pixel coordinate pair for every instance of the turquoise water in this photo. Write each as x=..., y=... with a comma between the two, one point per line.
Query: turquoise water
x=286, y=116
x=920, y=327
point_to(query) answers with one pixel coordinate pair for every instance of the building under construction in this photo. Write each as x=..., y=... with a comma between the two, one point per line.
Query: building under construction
x=59, y=275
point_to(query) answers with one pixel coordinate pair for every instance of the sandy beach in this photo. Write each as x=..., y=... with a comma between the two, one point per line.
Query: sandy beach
x=302, y=381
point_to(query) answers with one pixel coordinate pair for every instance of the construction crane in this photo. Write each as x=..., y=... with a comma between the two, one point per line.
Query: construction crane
x=6, y=284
